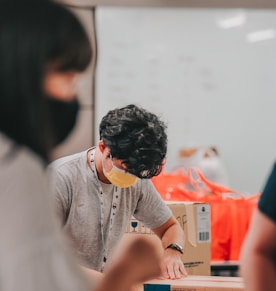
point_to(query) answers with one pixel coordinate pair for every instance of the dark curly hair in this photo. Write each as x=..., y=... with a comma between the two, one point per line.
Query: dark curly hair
x=137, y=137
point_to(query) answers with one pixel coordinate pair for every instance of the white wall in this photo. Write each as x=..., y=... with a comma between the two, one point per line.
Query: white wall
x=211, y=85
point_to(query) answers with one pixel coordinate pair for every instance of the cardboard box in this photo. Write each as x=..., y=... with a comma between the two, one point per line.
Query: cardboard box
x=194, y=218
x=195, y=283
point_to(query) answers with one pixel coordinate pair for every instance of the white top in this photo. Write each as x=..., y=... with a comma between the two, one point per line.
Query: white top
x=33, y=255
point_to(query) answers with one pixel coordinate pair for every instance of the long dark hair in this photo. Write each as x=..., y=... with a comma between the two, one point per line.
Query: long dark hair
x=33, y=35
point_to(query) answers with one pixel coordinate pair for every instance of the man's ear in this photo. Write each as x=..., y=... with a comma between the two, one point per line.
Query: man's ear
x=101, y=146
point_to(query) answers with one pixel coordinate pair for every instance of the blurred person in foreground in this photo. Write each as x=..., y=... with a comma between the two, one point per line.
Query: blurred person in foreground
x=258, y=255
x=98, y=190
x=43, y=48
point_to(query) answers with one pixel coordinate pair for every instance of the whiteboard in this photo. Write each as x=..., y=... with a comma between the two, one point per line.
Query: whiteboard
x=211, y=85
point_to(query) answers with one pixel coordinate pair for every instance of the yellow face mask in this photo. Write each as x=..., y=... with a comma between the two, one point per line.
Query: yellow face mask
x=119, y=177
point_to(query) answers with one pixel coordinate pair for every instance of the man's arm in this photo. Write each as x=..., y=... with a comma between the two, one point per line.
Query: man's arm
x=258, y=255
x=171, y=232
x=138, y=263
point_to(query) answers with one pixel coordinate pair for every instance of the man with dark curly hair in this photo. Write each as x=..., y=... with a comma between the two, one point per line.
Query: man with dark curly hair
x=100, y=189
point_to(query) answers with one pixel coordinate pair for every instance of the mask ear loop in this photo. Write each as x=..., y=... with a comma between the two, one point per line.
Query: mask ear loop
x=108, y=156
x=111, y=158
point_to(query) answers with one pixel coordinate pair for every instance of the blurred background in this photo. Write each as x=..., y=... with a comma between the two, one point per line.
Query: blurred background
x=207, y=68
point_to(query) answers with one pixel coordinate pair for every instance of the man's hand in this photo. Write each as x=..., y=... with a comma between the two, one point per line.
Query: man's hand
x=172, y=266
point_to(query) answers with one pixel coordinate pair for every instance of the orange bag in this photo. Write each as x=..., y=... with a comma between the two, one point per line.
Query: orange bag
x=229, y=220
x=167, y=183
x=220, y=223
x=231, y=211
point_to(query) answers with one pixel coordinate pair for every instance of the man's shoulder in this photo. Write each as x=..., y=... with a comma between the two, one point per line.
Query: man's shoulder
x=68, y=160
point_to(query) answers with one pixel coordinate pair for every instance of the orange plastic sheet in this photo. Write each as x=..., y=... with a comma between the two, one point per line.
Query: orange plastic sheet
x=231, y=211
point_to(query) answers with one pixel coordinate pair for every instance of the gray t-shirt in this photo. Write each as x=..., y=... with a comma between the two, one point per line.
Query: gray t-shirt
x=33, y=254
x=95, y=222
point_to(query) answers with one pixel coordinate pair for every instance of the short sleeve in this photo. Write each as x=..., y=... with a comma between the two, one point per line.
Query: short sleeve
x=151, y=210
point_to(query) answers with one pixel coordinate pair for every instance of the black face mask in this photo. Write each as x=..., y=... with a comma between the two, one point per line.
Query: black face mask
x=63, y=115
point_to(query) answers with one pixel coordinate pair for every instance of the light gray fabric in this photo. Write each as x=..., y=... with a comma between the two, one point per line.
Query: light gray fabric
x=78, y=206
x=33, y=255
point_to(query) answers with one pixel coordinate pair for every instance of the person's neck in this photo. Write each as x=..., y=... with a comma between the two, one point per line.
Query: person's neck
x=98, y=164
